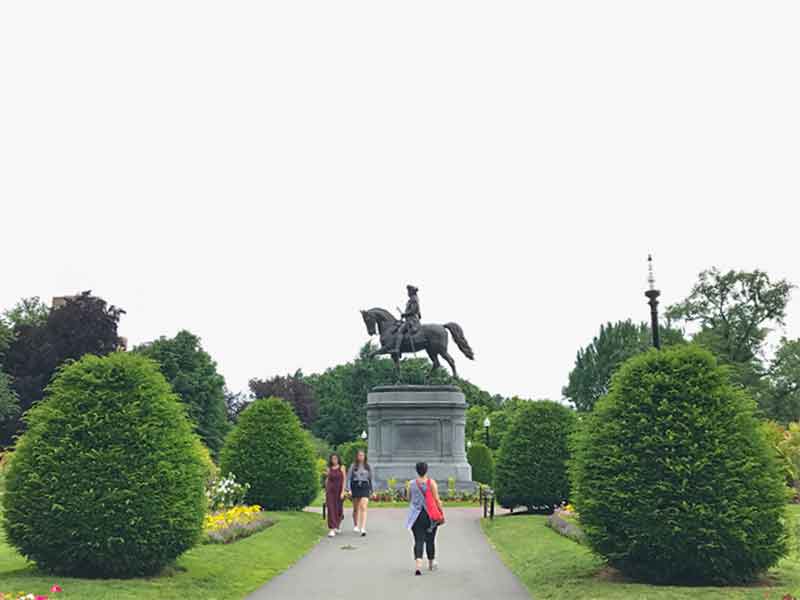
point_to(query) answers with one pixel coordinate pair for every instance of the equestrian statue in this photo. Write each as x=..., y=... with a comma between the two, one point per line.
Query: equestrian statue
x=407, y=334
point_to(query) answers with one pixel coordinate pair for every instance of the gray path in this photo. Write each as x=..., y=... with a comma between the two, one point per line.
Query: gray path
x=381, y=565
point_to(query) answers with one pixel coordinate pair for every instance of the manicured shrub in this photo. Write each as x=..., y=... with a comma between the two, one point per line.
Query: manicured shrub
x=108, y=479
x=269, y=451
x=532, y=462
x=674, y=479
x=348, y=451
x=480, y=457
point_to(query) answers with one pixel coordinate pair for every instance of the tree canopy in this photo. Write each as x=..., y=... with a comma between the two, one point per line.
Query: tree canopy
x=735, y=311
x=779, y=396
x=85, y=324
x=295, y=390
x=597, y=362
x=9, y=403
x=194, y=377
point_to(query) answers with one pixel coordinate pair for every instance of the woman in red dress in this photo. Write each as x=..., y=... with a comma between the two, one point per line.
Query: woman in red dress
x=334, y=494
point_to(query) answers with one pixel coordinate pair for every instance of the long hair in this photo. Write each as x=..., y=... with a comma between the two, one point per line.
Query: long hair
x=338, y=460
x=366, y=464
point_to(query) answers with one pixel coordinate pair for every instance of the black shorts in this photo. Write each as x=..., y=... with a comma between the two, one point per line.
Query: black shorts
x=360, y=489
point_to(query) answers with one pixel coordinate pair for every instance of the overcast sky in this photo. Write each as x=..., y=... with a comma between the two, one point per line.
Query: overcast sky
x=257, y=172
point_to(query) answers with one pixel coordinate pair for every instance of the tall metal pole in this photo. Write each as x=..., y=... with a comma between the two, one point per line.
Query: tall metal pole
x=653, y=295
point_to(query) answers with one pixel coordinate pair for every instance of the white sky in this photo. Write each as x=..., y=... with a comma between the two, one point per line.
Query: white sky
x=257, y=172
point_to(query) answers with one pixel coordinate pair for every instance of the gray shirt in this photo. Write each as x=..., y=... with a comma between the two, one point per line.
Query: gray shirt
x=361, y=474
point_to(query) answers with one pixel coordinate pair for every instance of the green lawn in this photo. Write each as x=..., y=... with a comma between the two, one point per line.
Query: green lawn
x=552, y=566
x=210, y=572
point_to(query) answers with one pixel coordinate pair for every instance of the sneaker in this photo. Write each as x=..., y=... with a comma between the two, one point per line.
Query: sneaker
x=331, y=533
x=433, y=565
x=356, y=529
x=338, y=530
x=363, y=533
x=417, y=572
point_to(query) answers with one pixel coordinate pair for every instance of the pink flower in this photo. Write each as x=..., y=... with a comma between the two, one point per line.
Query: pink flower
x=56, y=588
x=40, y=597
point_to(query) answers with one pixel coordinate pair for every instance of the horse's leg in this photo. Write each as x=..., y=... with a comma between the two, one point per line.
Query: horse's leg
x=434, y=359
x=451, y=362
x=396, y=359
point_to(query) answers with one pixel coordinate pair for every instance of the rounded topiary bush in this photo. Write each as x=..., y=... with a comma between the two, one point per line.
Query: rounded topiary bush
x=532, y=463
x=673, y=478
x=268, y=450
x=480, y=458
x=108, y=480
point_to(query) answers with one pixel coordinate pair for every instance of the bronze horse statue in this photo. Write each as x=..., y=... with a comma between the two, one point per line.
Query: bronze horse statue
x=429, y=337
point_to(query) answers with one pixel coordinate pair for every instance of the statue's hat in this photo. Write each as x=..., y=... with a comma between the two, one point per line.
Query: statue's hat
x=412, y=288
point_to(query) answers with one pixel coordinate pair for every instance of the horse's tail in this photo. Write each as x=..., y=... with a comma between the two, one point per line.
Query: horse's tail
x=462, y=343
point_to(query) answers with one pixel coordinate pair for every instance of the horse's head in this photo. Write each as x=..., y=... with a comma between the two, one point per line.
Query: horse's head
x=377, y=319
x=370, y=322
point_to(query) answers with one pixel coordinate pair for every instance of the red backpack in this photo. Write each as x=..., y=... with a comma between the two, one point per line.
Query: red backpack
x=435, y=514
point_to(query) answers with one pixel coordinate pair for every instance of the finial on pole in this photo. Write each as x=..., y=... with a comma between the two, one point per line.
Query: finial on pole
x=653, y=295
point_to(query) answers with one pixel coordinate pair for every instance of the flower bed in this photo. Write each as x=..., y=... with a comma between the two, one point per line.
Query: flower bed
x=55, y=589
x=234, y=524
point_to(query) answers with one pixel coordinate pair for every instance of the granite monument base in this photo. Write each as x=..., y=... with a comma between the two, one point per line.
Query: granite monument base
x=418, y=423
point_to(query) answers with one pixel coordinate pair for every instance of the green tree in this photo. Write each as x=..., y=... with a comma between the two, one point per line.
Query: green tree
x=597, y=362
x=31, y=312
x=779, y=397
x=482, y=462
x=292, y=388
x=269, y=450
x=108, y=479
x=6, y=335
x=9, y=403
x=673, y=476
x=84, y=324
x=194, y=377
x=531, y=466
x=735, y=311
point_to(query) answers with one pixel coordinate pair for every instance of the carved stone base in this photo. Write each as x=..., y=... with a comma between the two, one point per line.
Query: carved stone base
x=419, y=423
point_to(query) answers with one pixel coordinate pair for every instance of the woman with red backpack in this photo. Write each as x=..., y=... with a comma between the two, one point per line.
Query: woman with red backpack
x=425, y=514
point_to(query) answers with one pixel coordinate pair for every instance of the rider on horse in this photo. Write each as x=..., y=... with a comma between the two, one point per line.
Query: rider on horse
x=410, y=318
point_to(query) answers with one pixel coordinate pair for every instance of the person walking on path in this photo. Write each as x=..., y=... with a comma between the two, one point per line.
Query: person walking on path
x=419, y=522
x=359, y=484
x=334, y=494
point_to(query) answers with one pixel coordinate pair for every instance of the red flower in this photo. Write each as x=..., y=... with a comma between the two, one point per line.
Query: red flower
x=41, y=598
x=56, y=588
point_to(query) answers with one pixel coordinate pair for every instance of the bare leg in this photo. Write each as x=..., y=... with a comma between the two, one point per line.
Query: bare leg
x=362, y=513
x=355, y=512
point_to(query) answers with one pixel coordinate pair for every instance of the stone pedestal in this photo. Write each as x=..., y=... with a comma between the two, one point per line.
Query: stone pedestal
x=418, y=423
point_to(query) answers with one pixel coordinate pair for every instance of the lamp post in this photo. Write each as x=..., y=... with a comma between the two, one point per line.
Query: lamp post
x=486, y=424
x=653, y=295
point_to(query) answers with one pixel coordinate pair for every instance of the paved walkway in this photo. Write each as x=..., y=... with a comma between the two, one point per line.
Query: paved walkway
x=381, y=565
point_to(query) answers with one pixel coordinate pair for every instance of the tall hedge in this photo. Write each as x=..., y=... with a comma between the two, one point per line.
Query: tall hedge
x=674, y=479
x=269, y=450
x=532, y=463
x=108, y=479
x=482, y=462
